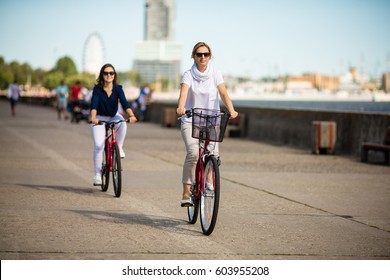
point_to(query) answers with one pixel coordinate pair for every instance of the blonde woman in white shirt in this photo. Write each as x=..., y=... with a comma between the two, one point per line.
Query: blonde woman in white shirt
x=200, y=87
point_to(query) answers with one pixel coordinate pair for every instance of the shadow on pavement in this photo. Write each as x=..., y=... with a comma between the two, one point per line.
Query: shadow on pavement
x=163, y=223
x=77, y=190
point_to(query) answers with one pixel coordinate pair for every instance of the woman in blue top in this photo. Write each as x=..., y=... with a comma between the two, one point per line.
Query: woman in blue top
x=104, y=107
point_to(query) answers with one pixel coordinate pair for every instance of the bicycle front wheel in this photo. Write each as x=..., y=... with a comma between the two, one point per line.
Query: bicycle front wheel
x=193, y=211
x=105, y=172
x=209, y=198
x=116, y=170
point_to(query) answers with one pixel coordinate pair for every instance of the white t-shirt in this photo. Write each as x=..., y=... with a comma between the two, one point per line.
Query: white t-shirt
x=14, y=91
x=202, y=94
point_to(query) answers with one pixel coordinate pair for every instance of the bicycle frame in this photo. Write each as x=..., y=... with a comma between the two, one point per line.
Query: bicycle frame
x=109, y=142
x=204, y=154
x=111, y=162
x=207, y=126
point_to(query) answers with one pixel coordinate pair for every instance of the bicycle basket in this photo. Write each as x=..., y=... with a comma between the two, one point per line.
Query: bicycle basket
x=209, y=124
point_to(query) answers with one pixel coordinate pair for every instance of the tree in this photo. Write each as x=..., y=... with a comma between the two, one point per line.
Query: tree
x=38, y=76
x=87, y=80
x=6, y=77
x=17, y=72
x=66, y=66
x=134, y=77
x=53, y=79
x=164, y=83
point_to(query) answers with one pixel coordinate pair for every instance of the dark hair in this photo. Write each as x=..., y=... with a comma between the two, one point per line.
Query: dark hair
x=100, y=80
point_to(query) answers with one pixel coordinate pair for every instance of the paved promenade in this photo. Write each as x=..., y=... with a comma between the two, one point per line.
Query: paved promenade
x=276, y=203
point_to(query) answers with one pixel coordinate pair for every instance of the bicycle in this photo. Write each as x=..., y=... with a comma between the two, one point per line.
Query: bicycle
x=207, y=126
x=111, y=159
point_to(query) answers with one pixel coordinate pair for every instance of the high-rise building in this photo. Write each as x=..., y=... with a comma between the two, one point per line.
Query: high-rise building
x=159, y=17
x=386, y=82
x=158, y=56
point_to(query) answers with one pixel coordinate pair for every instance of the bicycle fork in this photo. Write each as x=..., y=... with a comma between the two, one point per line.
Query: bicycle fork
x=199, y=177
x=108, y=148
x=108, y=156
x=110, y=141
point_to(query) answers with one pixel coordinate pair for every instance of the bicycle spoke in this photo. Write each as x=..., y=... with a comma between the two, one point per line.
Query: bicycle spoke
x=208, y=125
x=116, y=170
x=105, y=172
x=193, y=210
x=209, y=201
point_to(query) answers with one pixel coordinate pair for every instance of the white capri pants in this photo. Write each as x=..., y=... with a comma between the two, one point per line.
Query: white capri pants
x=192, y=148
x=99, y=135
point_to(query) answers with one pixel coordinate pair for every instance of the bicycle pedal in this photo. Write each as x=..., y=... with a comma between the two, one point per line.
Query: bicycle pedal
x=209, y=194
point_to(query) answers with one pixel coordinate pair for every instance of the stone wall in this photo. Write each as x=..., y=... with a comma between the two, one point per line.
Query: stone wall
x=294, y=127
x=290, y=127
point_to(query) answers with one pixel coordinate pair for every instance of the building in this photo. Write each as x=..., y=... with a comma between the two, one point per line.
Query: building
x=156, y=60
x=159, y=17
x=314, y=80
x=158, y=57
x=386, y=82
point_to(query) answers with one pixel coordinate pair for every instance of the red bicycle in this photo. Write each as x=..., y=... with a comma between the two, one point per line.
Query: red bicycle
x=208, y=126
x=111, y=159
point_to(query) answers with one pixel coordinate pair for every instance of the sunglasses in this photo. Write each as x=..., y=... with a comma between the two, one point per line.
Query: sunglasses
x=206, y=54
x=109, y=73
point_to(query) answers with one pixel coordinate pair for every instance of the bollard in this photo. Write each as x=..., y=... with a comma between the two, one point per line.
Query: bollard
x=323, y=137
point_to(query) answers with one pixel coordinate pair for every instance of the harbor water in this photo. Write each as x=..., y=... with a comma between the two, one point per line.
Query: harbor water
x=342, y=106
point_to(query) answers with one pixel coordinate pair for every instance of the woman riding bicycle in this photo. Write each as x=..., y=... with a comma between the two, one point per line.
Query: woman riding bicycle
x=104, y=107
x=200, y=86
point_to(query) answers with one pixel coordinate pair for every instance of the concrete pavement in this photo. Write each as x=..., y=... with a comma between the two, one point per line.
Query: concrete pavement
x=276, y=203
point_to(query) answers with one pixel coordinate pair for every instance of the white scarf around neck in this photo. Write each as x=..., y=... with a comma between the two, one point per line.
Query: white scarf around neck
x=201, y=76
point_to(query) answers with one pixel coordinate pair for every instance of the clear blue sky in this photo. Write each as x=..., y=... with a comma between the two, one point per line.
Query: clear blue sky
x=252, y=38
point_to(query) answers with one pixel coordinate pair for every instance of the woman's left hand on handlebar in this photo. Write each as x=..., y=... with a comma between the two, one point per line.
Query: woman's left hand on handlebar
x=95, y=121
x=233, y=114
x=181, y=111
x=132, y=119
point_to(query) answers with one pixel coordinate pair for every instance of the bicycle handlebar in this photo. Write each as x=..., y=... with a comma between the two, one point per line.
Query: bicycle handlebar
x=188, y=113
x=111, y=122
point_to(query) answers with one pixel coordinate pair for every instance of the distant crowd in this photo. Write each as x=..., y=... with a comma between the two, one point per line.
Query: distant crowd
x=74, y=102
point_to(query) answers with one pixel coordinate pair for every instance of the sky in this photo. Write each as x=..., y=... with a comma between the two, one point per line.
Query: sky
x=251, y=38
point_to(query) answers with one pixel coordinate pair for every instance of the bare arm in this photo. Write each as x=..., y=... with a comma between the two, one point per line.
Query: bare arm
x=226, y=100
x=131, y=115
x=182, y=99
x=93, y=116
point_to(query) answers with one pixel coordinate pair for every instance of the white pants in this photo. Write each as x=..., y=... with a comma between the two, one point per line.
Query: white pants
x=192, y=148
x=99, y=137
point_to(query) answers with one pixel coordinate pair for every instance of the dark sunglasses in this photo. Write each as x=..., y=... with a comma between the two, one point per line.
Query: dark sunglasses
x=109, y=73
x=206, y=54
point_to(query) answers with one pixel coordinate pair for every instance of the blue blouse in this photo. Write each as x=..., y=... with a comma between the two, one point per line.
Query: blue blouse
x=108, y=106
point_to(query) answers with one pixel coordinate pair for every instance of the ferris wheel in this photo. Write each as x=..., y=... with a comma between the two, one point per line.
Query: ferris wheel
x=93, y=53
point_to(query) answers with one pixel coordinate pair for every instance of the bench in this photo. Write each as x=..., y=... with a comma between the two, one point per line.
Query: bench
x=236, y=127
x=385, y=148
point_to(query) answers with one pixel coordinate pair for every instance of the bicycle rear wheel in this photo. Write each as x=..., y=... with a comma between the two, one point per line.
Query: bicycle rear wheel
x=116, y=170
x=193, y=211
x=105, y=171
x=209, y=198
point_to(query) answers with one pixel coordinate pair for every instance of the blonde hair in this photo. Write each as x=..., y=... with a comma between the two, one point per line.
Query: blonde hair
x=197, y=46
